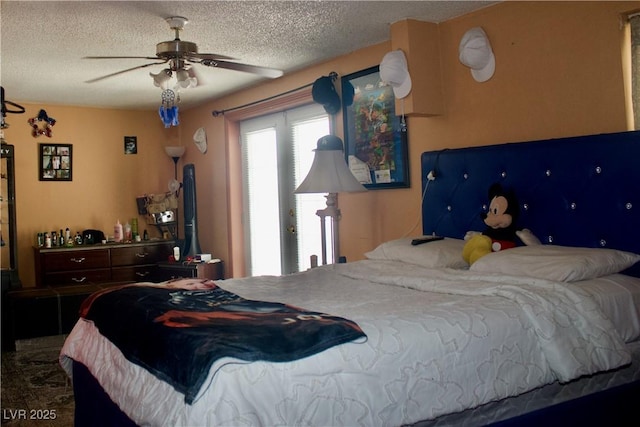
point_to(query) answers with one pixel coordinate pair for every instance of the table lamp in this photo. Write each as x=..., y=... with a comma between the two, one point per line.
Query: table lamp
x=329, y=174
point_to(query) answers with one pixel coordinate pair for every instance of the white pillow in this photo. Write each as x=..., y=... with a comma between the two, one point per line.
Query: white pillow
x=557, y=263
x=440, y=253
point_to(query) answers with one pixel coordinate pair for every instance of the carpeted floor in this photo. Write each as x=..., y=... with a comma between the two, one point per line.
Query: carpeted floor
x=35, y=389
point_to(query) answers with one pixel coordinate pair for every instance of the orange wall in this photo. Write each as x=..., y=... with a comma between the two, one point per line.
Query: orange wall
x=105, y=180
x=558, y=73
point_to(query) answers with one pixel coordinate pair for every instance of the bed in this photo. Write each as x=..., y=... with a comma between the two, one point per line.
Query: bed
x=523, y=336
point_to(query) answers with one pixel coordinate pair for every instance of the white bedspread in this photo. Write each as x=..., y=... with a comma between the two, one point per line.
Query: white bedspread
x=618, y=296
x=439, y=341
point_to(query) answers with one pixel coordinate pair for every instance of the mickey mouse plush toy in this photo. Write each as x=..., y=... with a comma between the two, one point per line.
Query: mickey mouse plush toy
x=500, y=233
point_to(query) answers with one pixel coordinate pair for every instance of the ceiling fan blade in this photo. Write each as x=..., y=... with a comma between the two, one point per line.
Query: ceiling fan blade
x=120, y=57
x=123, y=71
x=213, y=56
x=271, y=73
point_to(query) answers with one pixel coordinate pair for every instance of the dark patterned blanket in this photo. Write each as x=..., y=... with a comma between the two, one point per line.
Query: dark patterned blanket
x=178, y=330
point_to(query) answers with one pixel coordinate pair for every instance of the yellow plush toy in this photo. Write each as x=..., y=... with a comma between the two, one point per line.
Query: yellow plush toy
x=500, y=233
x=476, y=247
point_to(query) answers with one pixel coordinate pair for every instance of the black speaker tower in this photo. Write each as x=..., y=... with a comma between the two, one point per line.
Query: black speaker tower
x=191, y=244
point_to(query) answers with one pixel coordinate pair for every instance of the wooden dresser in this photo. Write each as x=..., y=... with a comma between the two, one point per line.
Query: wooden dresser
x=92, y=264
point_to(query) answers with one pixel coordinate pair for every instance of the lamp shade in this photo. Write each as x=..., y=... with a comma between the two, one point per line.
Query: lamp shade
x=184, y=80
x=161, y=79
x=329, y=172
x=175, y=151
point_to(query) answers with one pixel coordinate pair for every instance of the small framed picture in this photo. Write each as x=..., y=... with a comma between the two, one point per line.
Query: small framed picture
x=55, y=162
x=130, y=145
x=375, y=136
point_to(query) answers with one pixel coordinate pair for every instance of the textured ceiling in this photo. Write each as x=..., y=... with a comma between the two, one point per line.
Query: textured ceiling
x=43, y=42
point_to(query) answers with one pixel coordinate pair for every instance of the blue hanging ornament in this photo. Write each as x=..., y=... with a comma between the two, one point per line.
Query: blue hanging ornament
x=168, y=111
x=169, y=116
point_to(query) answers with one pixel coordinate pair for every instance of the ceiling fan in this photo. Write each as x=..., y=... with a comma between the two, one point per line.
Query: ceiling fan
x=180, y=55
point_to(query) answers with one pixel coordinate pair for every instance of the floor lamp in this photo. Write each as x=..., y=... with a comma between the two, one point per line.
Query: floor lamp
x=175, y=152
x=329, y=174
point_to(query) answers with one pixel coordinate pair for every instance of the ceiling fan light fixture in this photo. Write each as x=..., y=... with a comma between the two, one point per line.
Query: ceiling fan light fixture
x=161, y=79
x=185, y=81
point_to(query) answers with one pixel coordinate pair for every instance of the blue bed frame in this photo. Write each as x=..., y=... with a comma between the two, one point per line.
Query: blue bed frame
x=579, y=191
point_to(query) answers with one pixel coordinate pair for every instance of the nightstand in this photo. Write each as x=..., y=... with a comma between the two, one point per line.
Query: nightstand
x=202, y=270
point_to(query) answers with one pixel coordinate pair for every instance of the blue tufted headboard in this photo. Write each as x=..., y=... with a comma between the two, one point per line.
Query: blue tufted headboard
x=579, y=191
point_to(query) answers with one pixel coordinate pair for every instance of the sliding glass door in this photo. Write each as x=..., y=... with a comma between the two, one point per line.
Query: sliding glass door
x=281, y=228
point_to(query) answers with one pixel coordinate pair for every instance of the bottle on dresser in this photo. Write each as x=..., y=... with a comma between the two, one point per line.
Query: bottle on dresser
x=117, y=232
x=127, y=232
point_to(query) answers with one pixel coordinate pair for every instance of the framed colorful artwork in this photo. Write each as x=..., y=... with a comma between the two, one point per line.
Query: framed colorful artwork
x=375, y=137
x=55, y=162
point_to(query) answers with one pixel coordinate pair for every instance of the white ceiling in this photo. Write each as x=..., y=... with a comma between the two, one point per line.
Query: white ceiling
x=43, y=42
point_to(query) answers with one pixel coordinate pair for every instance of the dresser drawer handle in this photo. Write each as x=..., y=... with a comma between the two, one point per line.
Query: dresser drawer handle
x=142, y=274
x=80, y=280
x=142, y=255
x=78, y=260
